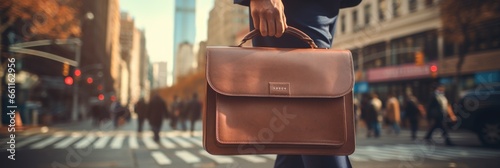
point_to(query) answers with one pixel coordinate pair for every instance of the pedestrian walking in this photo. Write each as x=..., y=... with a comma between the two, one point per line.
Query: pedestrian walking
x=438, y=110
x=99, y=113
x=315, y=18
x=374, y=112
x=175, y=112
x=414, y=110
x=119, y=113
x=393, y=114
x=183, y=114
x=156, y=112
x=141, y=109
x=194, y=111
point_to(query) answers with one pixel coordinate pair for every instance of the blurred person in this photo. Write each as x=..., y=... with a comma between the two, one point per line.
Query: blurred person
x=141, y=109
x=194, y=111
x=156, y=111
x=99, y=113
x=356, y=110
x=183, y=114
x=414, y=110
x=438, y=110
x=374, y=110
x=365, y=115
x=176, y=111
x=315, y=18
x=120, y=114
x=393, y=113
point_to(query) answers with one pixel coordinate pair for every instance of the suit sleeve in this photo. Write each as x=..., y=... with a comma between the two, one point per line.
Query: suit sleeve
x=242, y=2
x=349, y=3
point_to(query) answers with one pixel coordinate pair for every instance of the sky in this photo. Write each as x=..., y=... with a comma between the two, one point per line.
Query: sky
x=156, y=17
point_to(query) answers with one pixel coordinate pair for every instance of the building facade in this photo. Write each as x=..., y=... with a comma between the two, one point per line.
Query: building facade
x=397, y=47
x=184, y=28
x=225, y=23
x=159, y=73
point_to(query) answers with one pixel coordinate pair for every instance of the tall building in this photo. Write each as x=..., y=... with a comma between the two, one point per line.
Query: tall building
x=397, y=46
x=159, y=72
x=100, y=52
x=144, y=67
x=184, y=27
x=225, y=22
x=131, y=43
x=186, y=61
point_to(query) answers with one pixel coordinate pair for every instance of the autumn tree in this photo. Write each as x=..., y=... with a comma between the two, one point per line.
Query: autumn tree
x=460, y=20
x=42, y=19
x=37, y=19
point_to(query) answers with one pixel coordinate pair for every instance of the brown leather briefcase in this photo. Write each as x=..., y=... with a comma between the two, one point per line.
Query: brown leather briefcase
x=278, y=100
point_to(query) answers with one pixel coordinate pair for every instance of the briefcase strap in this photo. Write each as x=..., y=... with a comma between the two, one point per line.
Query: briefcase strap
x=290, y=30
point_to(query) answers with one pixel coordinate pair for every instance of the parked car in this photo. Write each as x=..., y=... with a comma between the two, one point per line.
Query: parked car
x=479, y=111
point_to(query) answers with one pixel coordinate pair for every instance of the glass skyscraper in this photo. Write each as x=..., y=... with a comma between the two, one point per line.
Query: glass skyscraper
x=185, y=28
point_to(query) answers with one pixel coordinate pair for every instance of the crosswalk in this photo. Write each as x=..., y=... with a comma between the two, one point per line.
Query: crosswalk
x=177, y=147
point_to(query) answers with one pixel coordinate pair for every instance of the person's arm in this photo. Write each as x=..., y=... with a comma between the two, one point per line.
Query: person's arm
x=268, y=17
x=452, y=115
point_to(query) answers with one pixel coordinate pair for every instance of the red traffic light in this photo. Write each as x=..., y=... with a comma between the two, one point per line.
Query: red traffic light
x=90, y=80
x=78, y=72
x=68, y=80
x=113, y=98
x=434, y=68
x=100, y=97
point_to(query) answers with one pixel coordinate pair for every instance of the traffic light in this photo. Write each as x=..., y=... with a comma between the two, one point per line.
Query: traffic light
x=90, y=80
x=77, y=73
x=419, y=58
x=101, y=97
x=434, y=70
x=65, y=71
x=68, y=80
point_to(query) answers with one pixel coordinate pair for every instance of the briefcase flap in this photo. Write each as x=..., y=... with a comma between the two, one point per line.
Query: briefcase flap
x=273, y=72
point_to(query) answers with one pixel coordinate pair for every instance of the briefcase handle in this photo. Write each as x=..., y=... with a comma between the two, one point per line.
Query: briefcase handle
x=290, y=30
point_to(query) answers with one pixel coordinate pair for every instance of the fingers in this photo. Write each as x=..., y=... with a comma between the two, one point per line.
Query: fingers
x=263, y=26
x=271, y=23
x=268, y=17
x=280, y=25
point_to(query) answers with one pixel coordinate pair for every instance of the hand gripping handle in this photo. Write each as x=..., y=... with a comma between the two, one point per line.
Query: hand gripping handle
x=290, y=30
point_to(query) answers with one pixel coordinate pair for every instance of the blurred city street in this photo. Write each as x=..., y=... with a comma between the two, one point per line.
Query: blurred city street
x=426, y=64
x=82, y=145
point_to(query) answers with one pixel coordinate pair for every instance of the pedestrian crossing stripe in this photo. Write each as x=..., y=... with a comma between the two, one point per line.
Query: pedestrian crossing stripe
x=160, y=158
x=133, y=141
x=216, y=158
x=150, y=144
x=67, y=142
x=46, y=142
x=187, y=156
x=117, y=142
x=166, y=143
x=101, y=143
x=85, y=142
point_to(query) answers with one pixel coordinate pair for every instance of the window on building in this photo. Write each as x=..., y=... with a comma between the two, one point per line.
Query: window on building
x=355, y=57
x=355, y=20
x=368, y=11
x=396, y=8
x=429, y=3
x=342, y=24
x=382, y=8
x=412, y=6
x=374, y=55
x=403, y=49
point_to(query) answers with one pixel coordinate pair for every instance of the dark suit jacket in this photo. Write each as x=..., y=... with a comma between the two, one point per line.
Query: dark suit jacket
x=157, y=111
x=434, y=109
x=316, y=18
